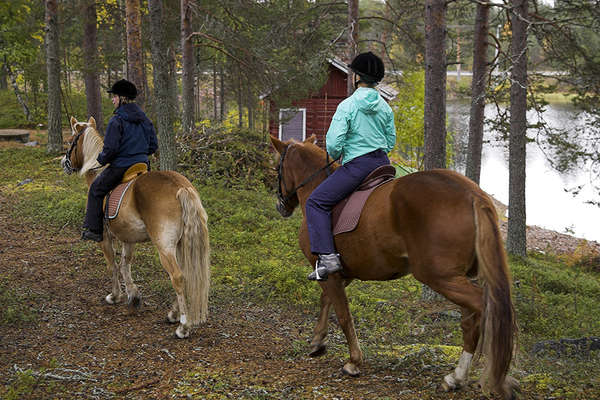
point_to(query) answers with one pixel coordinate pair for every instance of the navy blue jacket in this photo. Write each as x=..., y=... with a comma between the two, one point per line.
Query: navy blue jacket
x=130, y=137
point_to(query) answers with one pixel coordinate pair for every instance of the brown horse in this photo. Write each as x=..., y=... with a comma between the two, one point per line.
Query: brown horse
x=437, y=225
x=161, y=206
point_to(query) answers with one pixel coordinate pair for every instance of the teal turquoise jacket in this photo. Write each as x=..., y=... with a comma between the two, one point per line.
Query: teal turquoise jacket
x=362, y=123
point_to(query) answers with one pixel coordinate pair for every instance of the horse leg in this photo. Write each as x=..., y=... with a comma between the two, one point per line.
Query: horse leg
x=173, y=314
x=169, y=263
x=335, y=290
x=318, y=345
x=133, y=294
x=116, y=294
x=461, y=291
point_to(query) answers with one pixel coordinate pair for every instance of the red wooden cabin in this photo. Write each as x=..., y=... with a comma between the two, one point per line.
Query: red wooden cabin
x=313, y=115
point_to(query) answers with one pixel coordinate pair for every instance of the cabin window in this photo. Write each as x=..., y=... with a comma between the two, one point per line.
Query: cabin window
x=292, y=124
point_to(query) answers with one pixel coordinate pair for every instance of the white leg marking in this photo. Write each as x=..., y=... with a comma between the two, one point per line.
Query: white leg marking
x=183, y=319
x=459, y=376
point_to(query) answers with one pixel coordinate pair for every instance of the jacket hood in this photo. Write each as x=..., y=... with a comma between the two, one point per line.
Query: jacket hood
x=367, y=99
x=130, y=112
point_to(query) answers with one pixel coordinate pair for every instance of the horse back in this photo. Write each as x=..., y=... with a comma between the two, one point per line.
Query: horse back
x=150, y=206
x=424, y=215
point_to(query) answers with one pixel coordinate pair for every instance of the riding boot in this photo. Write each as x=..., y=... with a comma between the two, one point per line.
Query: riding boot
x=326, y=264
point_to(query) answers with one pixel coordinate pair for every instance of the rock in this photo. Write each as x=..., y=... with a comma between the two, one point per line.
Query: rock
x=566, y=347
x=31, y=144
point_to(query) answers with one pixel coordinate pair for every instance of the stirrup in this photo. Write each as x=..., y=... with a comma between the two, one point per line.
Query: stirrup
x=326, y=264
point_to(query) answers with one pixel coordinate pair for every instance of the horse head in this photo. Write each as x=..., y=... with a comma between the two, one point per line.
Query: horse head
x=300, y=164
x=77, y=155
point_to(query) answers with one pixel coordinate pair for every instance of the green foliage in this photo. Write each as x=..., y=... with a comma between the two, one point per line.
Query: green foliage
x=409, y=110
x=230, y=157
x=12, y=115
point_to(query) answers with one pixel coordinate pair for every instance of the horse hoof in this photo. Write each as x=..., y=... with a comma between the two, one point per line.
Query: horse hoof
x=134, y=302
x=317, y=350
x=111, y=299
x=449, y=383
x=172, y=317
x=351, y=370
x=182, y=332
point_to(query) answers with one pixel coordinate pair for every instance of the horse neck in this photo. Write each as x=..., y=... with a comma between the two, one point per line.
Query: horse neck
x=305, y=173
x=91, y=147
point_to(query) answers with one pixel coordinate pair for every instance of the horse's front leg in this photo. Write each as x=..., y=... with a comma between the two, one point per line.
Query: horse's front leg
x=133, y=294
x=116, y=294
x=335, y=290
x=318, y=345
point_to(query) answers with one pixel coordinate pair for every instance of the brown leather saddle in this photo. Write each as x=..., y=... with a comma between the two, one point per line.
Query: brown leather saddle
x=346, y=213
x=112, y=201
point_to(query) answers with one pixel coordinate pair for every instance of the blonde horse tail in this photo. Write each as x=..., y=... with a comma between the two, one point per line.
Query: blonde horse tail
x=498, y=326
x=193, y=254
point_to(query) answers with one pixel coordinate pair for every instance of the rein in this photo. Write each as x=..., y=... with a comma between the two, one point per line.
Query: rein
x=284, y=199
x=68, y=165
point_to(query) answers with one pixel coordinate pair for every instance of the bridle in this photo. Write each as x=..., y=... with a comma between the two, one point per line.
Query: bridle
x=284, y=199
x=68, y=166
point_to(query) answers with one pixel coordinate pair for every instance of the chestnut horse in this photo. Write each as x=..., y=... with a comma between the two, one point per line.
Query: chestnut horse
x=160, y=206
x=437, y=225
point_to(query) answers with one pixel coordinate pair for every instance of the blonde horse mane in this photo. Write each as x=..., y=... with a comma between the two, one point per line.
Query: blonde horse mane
x=92, y=146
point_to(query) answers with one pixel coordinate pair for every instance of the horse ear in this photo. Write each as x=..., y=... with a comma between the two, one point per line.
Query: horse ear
x=311, y=139
x=73, y=122
x=278, y=144
x=92, y=122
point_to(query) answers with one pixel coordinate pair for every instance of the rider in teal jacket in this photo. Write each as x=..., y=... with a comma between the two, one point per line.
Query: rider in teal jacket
x=362, y=132
x=362, y=123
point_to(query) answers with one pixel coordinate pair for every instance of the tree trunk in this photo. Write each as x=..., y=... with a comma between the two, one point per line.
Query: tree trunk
x=163, y=93
x=352, y=40
x=478, y=89
x=435, y=84
x=222, y=111
x=53, y=67
x=214, y=89
x=435, y=97
x=90, y=72
x=13, y=82
x=187, y=78
x=3, y=78
x=135, y=66
x=516, y=240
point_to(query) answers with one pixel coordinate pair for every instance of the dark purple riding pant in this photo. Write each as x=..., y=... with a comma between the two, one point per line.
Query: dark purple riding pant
x=331, y=191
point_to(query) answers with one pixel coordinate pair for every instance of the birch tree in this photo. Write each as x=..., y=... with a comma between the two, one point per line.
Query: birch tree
x=53, y=69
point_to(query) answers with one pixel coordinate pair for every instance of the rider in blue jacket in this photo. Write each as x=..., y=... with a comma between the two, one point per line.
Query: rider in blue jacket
x=361, y=132
x=130, y=138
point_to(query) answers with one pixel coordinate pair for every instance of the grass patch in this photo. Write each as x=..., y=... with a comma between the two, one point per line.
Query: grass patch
x=14, y=307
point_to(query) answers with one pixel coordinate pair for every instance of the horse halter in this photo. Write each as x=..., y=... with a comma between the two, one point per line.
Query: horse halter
x=284, y=199
x=68, y=166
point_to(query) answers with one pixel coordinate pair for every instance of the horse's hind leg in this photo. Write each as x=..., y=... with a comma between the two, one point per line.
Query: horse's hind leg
x=461, y=291
x=133, y=294
x=173, y=314
x=169, y=263
x=116, y=294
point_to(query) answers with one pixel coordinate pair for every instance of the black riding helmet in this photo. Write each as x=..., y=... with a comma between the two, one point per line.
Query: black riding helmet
x=124, y=88
x=369, y=67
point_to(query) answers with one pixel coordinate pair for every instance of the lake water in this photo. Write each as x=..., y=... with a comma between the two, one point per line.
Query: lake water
x=548, y=204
